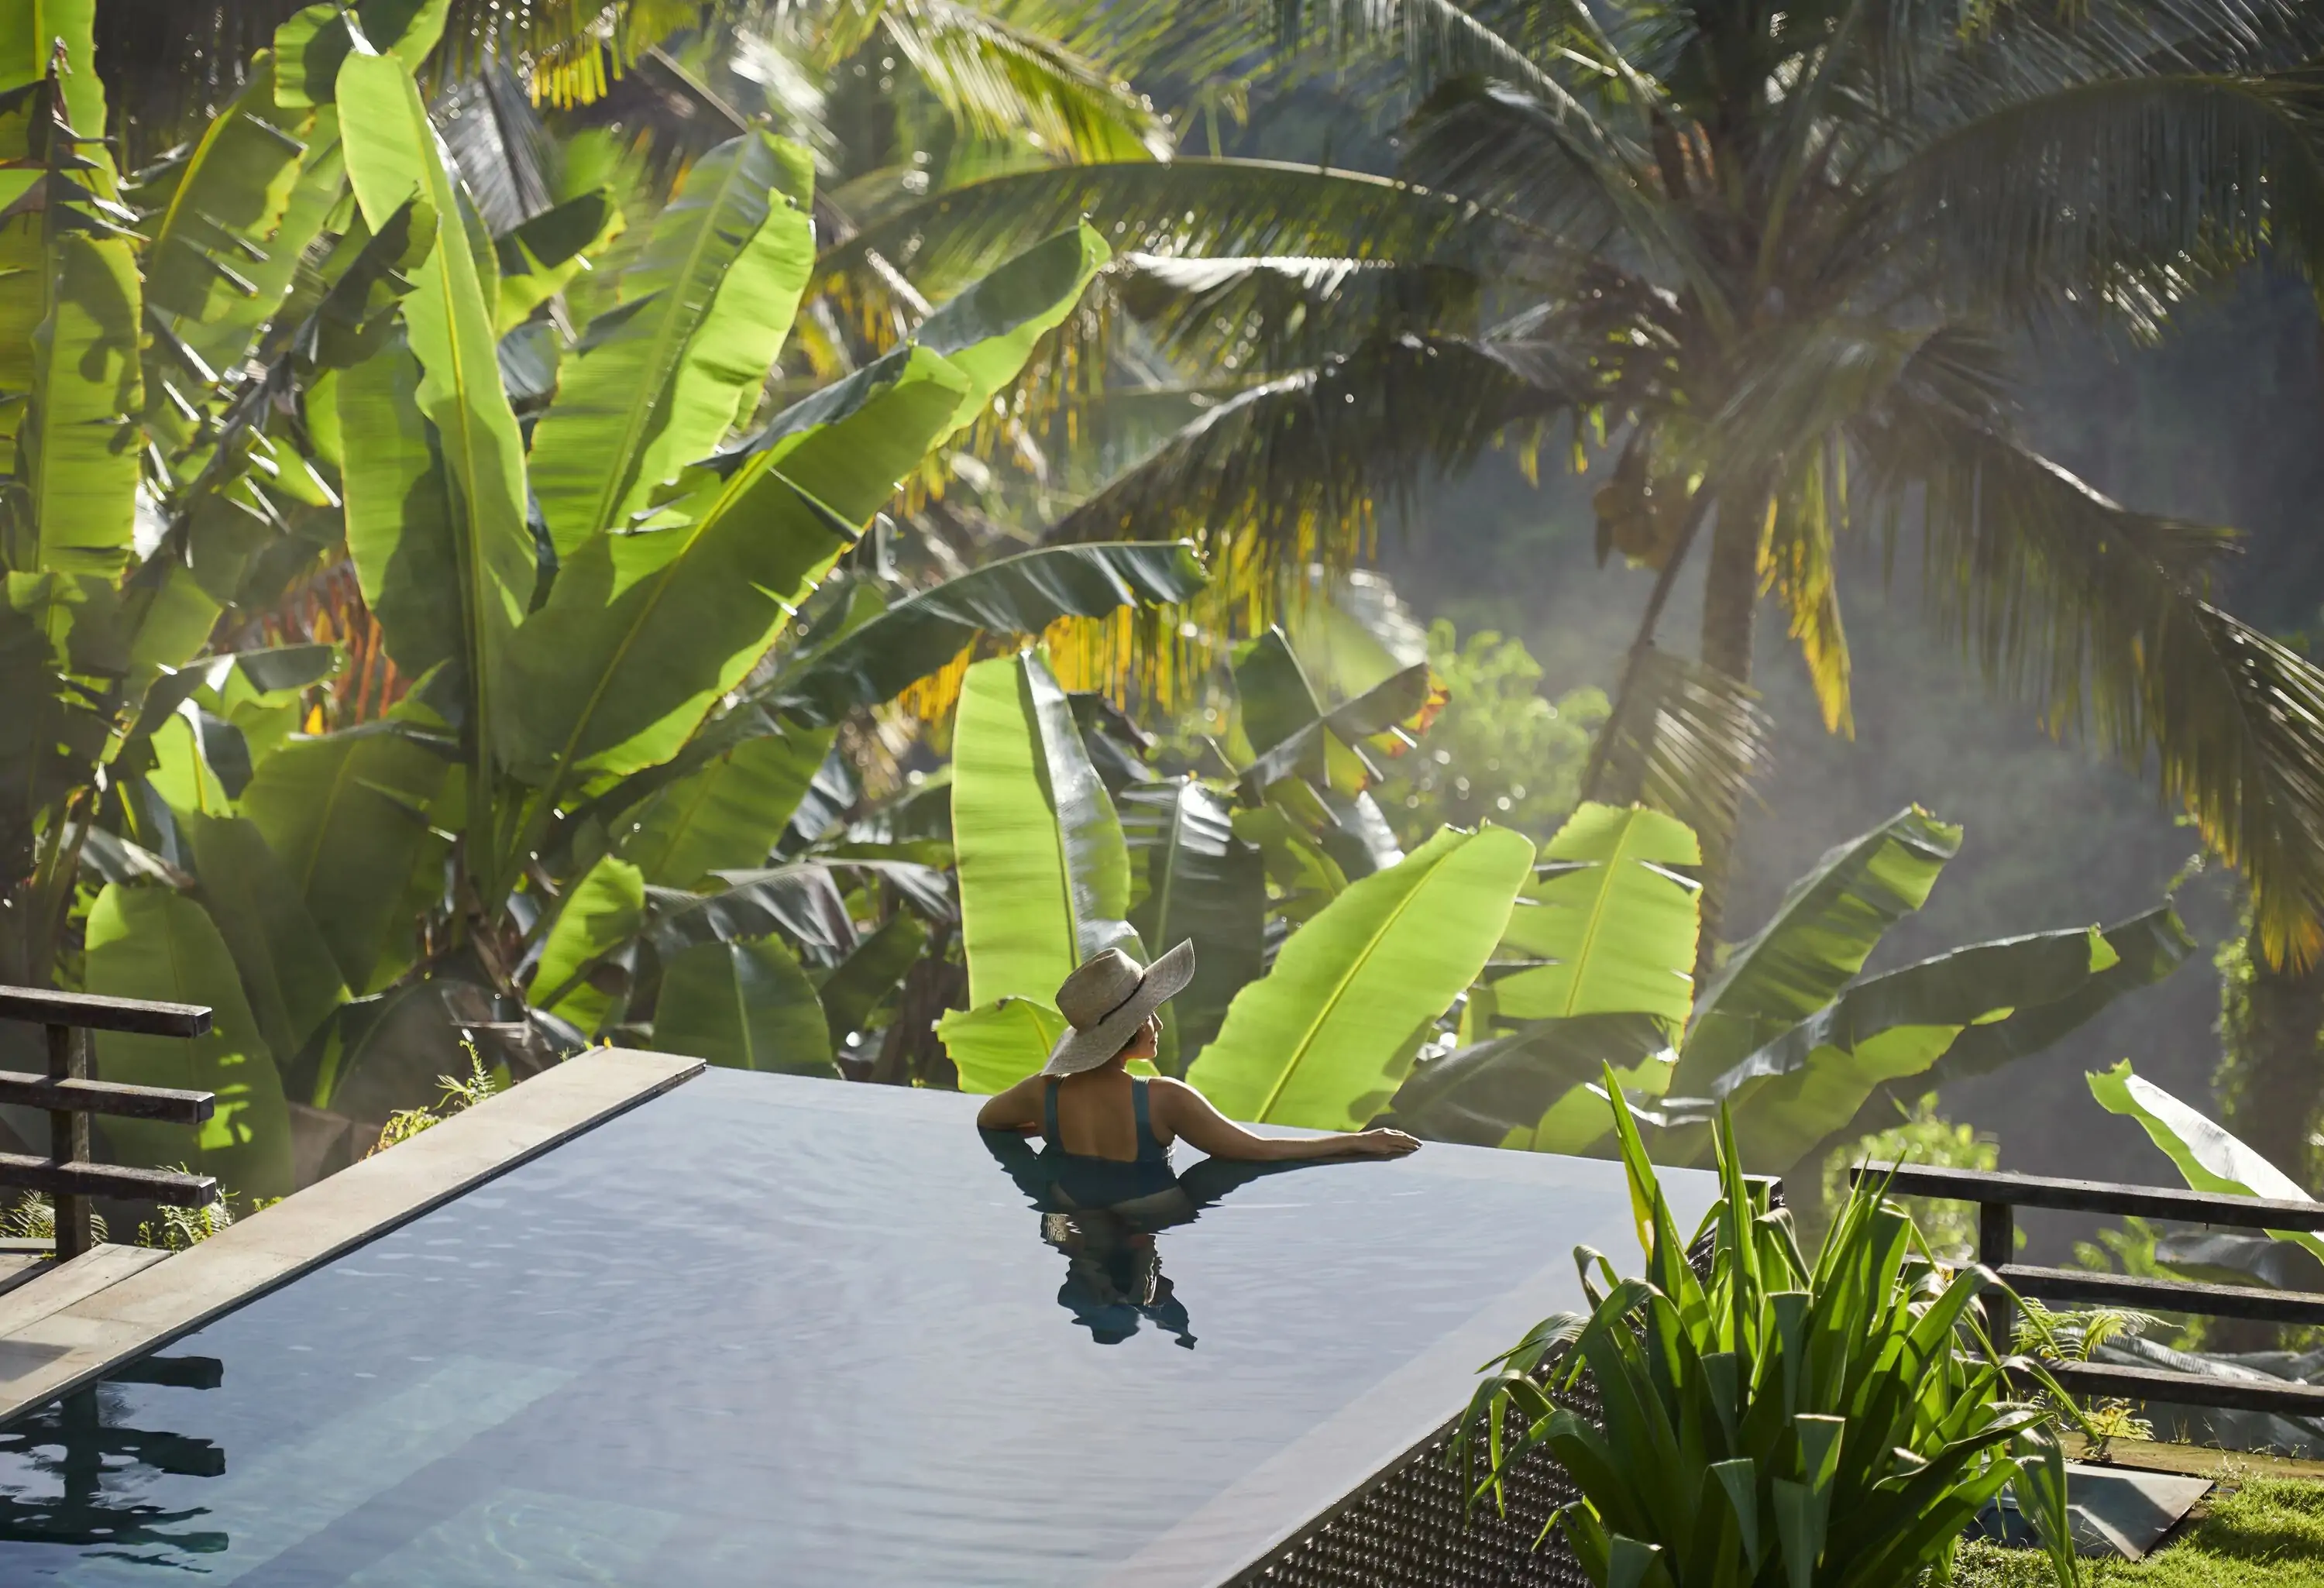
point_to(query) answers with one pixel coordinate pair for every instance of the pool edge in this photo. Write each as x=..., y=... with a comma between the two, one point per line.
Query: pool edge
x=74, y=1344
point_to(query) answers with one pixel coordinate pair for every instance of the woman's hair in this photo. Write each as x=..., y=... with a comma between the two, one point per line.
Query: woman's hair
x=1135, y=1036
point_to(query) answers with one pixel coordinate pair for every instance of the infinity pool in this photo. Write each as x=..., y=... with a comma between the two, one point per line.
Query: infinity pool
x=763, y=1329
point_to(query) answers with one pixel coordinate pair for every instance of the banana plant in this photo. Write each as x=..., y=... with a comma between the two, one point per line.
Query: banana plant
x=625, y=674
x=1046, y=881
x=1788, y=1035
x=2208, y=1156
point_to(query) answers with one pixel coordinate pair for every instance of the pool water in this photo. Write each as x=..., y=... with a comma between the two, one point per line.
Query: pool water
x=768, y=1330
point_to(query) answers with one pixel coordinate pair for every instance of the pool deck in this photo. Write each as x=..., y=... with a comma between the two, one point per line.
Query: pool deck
x=69, y=1328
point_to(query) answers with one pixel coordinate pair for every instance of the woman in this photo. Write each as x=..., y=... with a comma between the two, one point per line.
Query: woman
x=1106, y=1133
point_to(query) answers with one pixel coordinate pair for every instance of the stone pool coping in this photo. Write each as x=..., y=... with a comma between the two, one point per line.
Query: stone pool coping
x=66, y=1329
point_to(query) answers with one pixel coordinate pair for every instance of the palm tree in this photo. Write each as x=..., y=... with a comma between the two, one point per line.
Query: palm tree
x=1787, y=257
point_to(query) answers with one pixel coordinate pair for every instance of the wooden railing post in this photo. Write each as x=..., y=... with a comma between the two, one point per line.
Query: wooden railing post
x=1996, y=1245
x=69, y=1095
x=69, y=1141
x=1998, y=1196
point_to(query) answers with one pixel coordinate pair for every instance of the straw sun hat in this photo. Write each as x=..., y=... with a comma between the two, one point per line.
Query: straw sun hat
x=1107, y=999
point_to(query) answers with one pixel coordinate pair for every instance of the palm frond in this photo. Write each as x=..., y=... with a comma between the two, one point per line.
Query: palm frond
x=999, y=79
x=1797, y=567
x=165, y=61
x=1179, y=208
x=2099, y=616
x=1292, y=470
x=1440, y=39
x=1496, y=144
x=2124, y=193
x=503, y=151
x=1684, y=739
x=1272, y=314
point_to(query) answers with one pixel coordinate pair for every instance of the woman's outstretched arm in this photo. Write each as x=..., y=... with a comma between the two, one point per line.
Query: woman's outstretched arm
x=1189, y=1115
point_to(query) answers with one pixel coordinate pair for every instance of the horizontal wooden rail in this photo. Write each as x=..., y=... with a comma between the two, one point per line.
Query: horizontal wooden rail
x=2218, y=1301
x=2104, y=1379
x=69, y=1095
x=173, y=1187
x=1998, y=1197
x=94, y=1012
x=2154, y=1202
x=110, y=1098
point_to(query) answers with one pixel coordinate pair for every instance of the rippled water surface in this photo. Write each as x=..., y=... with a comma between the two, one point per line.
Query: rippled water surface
x=771, y=1331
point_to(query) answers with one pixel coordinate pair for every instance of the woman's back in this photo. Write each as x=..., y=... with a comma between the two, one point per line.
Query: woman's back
x=1100, y=1113
x=1100, y=1140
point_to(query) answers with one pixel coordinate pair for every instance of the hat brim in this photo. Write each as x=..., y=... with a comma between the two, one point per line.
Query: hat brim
x=1165, y=979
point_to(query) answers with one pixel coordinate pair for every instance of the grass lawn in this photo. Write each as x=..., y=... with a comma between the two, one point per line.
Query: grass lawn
x=2267, y=1532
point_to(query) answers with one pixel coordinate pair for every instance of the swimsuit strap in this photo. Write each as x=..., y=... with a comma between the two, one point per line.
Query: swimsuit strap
x=1149, y=1145
x=1049, y=1115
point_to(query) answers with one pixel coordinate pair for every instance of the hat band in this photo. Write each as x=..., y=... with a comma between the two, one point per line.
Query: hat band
x=1136, y=987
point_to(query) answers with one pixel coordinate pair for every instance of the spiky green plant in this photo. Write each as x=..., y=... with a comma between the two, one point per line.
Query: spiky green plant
x=1767, y=1422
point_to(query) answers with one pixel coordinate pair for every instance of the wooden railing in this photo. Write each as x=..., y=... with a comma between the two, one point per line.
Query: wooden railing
x=70, y=1096
x=1998, y=1197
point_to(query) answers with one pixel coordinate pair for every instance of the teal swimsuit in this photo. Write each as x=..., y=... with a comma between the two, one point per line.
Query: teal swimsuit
x=1090, y=1181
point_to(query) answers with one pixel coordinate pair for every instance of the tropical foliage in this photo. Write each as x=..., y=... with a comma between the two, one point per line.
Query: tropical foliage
x=1787, y=1036
x=2209, y=1159
x=1047, y=879
x=602, y=652
x=1555, y=967
x=1767, y=1420
x=1780, y=257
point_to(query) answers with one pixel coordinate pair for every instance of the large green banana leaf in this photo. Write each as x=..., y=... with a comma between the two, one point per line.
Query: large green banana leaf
x=1791, y=1094
x=1305, y=876
x=31, y=30
x=287, y=969
x=152, y=944
x=1020, y=594
x=1327, y=1037
x=855, y=986
x=1486, y=1091
x=996, y=1045
x=391, y=155
x=2207, y=1156
x=541, y=257
x=704, y=308
x=312, y=46
x=990, y=329
x=600, y=912
x=748, y=1006
x=398, y=510
x=645, y=631
x=78, y=437
x=1194, y=881
x=1614, y=922
x=2146, y=948
x=221, y=254
x=1044, y=875
x=347, y=814
x=1815, y=942
x=800, y=901
x=727, y=815
x=234, y=325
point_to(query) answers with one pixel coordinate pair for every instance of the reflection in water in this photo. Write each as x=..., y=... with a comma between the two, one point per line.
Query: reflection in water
x=1113, y=1268
x=95, y=1468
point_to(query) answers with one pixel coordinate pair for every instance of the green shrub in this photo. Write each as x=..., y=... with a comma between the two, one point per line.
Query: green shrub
x=1772, y=1425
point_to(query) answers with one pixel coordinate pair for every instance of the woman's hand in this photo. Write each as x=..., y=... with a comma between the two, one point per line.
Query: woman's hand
x=1381, y=1143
